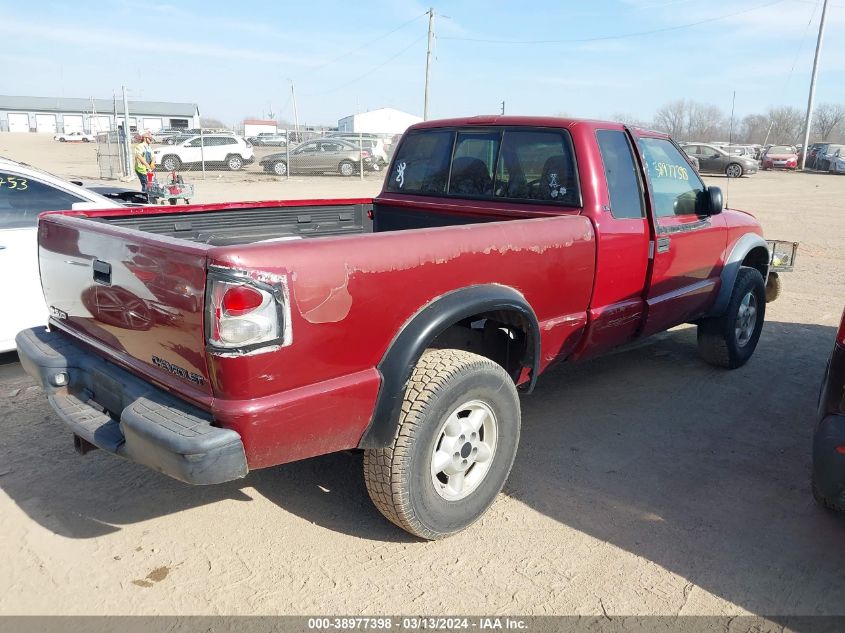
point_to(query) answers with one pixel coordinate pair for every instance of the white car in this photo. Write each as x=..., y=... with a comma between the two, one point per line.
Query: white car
x=75, y=136
x=24, y=193
x=226, y=150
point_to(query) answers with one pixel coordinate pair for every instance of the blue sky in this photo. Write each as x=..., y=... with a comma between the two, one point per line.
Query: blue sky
x=238, y=59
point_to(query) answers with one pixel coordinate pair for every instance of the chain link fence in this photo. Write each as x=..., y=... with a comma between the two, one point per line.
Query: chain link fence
x=283, y=154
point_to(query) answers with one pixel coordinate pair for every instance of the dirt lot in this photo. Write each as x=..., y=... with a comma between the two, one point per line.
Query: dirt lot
x=647, y=482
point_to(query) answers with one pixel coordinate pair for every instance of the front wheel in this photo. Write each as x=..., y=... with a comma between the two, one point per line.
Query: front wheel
x=453, y=448
x=729, y=340
x=734, y=170
x=280, y=168
x=346, y=168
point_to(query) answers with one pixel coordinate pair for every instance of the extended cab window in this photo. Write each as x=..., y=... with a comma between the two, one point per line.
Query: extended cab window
x=537, y=165
x=623, y=183
x=675, y=186
x=422, y=165
x=22, y=199
x=473, y=164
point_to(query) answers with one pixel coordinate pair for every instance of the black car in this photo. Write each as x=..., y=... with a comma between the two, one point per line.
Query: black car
x=829, y=438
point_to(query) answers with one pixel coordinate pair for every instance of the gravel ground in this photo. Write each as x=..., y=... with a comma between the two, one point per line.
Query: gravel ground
x=646, y=483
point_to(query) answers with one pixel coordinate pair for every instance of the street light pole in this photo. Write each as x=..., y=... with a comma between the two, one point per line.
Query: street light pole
x=808, y=121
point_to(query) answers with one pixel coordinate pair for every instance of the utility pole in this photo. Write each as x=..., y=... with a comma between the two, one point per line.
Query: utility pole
x=127, y=140
x=428, y=60
x=808, y=121
x=295, y=114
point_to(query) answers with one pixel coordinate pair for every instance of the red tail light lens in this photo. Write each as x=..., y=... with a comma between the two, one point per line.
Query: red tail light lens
x=241, y=300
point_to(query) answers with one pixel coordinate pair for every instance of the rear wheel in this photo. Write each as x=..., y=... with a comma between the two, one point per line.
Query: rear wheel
x=453, y=448
x=62, y=140
x=734, y=170
x=171, y=163
x=729, y=340
x=346, y=168
x=234, y=162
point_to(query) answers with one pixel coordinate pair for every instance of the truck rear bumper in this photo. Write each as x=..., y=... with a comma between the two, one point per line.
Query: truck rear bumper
x=117, y=412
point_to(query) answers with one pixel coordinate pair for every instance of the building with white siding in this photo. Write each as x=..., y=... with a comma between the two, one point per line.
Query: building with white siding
x=381, y=121
x=53, y=115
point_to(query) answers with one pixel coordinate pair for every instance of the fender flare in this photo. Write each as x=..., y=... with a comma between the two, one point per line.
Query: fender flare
x=730, y=270
x=417, y=334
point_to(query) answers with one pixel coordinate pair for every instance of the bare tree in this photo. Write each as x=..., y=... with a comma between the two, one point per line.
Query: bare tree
x=213, y=123
x=671, y=118
x=787, y=124
x=753, y=129
x=826, y=119
x=705, y=121
x=629, y=119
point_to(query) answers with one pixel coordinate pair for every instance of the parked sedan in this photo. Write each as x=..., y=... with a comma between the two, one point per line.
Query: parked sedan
x=78, y=137
x=780, y=157
x=320, y=156
x=836, y=163
x=269, y=140
x=829, y=437
x=714, y=160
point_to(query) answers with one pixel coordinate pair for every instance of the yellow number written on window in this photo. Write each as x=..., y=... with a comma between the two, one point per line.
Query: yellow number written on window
x=13, y=183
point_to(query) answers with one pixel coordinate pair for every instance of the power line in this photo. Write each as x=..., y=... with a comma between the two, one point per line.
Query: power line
x=368, y=42
x=371, y=71
x=614, y=37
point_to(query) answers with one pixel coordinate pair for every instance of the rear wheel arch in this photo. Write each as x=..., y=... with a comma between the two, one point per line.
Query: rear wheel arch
x=510, y=336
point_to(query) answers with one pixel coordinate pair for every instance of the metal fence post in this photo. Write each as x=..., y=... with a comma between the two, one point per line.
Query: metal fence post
x=361, y=154
x=287, y=154
x=202, y=152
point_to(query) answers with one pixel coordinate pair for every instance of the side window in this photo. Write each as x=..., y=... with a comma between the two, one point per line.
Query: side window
x=229, y=140
x=623, y=183
x=196, y=142
x=537, y=165
x=674, y=184
x=422, y=163
x=473, y=163
x=22, y=199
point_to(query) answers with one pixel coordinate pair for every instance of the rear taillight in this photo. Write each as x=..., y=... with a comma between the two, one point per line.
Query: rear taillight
x=840, y=335
x=243, y=314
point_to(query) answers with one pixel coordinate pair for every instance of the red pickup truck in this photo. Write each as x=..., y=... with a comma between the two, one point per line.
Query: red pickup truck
x=209, y=340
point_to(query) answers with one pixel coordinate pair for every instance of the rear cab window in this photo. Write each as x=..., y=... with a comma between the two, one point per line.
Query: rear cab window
x=515, y=163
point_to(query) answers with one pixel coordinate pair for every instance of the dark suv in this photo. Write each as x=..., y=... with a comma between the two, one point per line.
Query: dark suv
x=829, y=438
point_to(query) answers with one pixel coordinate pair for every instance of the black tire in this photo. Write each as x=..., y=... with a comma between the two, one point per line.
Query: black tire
x=279, y=168
x=346, y=168
x=234, y=162
x=170, y=163
x=718, y=341
x=399, y=477
x=85, y=140
x=773, y=287
x=173, y=201
x=824, y=501
x=62, y=140
x=734, y=170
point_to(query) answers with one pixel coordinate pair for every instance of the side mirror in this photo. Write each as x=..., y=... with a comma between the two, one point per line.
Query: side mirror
x=714, y=203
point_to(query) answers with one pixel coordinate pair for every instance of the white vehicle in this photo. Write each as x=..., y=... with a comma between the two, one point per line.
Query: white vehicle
x=24, y=193
x=75, y=136
x=227, y=150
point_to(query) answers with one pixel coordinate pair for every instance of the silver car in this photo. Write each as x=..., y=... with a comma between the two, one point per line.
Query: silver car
x=319, y=156
x=714, y=160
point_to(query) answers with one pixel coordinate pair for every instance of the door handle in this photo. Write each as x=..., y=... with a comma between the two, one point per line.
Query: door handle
x=663, y=244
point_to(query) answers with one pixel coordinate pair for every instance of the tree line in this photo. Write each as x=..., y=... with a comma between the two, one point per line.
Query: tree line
x=687, y=120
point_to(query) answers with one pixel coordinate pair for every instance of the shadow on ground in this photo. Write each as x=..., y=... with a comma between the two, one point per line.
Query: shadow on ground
x=702, y=471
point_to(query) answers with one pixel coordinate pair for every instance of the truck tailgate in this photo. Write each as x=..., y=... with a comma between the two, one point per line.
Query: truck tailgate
x=136, y=298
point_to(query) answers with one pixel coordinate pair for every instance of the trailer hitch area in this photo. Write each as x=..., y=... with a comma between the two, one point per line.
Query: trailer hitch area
x=83, y=446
